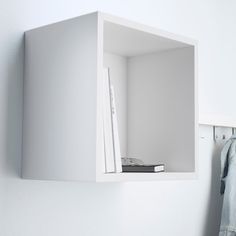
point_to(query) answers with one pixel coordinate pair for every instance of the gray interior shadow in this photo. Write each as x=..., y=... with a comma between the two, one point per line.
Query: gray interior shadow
x=14, y=110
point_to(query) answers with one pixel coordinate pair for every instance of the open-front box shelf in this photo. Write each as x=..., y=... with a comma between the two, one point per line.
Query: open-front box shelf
x=153, y=74
x=154, y=77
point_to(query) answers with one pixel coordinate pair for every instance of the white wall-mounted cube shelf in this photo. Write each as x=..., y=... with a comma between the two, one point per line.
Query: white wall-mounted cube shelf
x=155, y=78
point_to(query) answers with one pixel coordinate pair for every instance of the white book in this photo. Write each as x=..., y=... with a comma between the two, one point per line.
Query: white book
x=107, y=124
x=103, y=151
x=116, y=141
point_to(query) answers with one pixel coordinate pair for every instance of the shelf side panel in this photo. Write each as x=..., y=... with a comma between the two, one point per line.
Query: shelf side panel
x=59, y=128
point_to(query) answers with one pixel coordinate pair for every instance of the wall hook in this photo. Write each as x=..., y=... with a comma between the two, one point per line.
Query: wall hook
x=221, y=134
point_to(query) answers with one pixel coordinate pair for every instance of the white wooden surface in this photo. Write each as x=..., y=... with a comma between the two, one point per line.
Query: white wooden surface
x=59, y=140
x=62, y=104
x=217, y=120
x=172, y=40
x=130, y=177
x=161, y=115
x=133, y=42
x=157, y=101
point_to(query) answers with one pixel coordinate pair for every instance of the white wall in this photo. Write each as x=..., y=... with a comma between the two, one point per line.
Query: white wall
x=188, y=208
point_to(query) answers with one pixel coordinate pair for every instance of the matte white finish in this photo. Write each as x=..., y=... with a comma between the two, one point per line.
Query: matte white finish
x=127, y=177
x=162, y=208
x=59, y=138
x=133, y=42
x=63, y=129
x=151, y=104
x=161, y=109
x=217, y=120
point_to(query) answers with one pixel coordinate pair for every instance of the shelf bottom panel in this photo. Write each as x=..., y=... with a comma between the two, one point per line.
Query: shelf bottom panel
x=126, y=177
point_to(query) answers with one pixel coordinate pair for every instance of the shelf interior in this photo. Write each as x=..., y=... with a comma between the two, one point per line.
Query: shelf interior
x=154, y=89
x=129, y=42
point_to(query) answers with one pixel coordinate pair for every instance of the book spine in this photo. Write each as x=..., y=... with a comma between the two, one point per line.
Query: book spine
x=107, y=124
x=116, y=141
x=104, y=169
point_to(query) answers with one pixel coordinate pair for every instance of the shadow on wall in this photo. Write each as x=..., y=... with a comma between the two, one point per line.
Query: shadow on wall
x=14, y=111
x=215, y=199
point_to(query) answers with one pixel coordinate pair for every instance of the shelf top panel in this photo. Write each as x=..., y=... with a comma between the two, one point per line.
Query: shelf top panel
x=128, y=38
